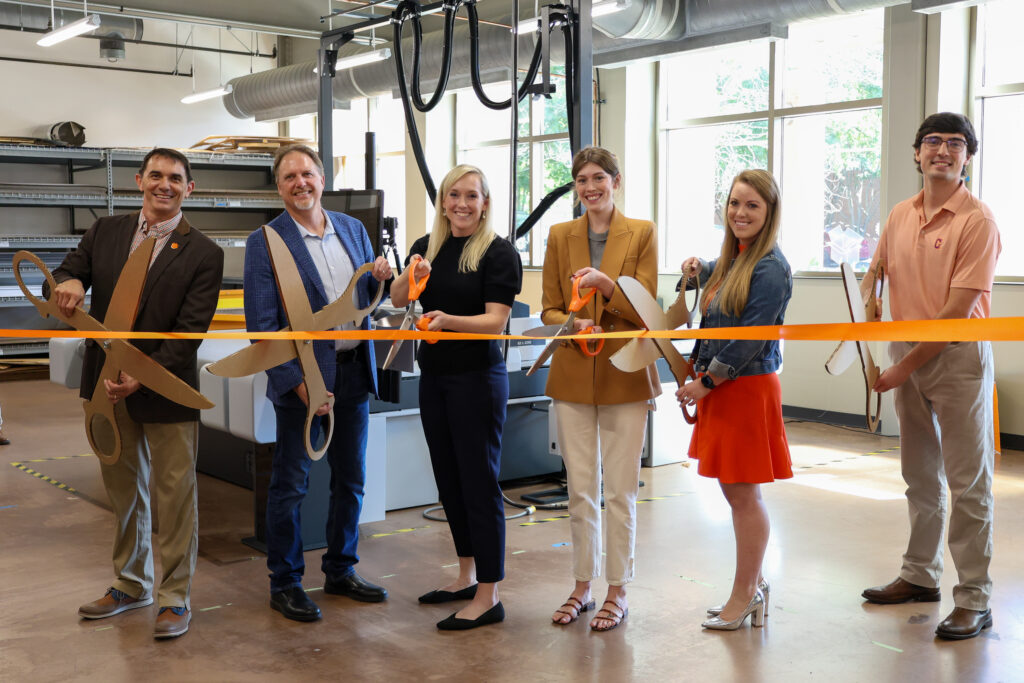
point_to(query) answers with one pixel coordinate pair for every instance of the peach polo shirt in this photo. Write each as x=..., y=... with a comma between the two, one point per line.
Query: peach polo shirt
x=924, y=259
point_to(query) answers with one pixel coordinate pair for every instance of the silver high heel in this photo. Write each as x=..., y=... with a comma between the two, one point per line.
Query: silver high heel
x=755, y=609
x=763, y=587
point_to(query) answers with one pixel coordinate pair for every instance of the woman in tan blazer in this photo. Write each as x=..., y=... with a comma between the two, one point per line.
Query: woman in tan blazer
x=594, y=402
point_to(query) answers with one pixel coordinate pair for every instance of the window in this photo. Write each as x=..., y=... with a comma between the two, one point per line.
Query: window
x=543, y=159
x=808, y=109
x=999, y=86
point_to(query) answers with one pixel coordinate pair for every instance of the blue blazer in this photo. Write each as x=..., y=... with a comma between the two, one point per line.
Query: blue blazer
x=264, y=311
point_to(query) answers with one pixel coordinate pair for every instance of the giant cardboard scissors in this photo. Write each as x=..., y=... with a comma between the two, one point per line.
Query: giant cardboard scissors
x=120, y=355
x=636, y=356
x=568, y=327
x=847, y=351
x=269, y=353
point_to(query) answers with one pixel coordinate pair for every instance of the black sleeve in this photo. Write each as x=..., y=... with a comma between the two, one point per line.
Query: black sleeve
x=418, y=247
x=503, y=272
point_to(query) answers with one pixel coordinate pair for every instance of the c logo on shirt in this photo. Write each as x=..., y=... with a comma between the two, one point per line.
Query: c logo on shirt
x=938, y=242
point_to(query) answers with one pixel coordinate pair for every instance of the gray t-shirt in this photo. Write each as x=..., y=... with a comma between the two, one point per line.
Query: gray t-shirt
x=597, y=241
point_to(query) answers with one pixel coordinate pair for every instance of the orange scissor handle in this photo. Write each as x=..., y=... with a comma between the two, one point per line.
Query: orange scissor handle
x=585, y=344
x=416, y=287
x=577, y=301
x=423, y=324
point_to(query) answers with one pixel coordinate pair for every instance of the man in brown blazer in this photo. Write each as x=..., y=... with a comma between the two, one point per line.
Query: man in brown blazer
x=180, y=295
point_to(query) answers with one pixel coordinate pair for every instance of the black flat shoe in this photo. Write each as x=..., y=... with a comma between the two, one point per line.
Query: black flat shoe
x=294, y=604
x=355, y=587
x=437, y=597
x=491, y=616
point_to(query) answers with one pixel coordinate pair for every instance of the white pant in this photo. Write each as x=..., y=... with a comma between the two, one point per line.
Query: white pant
x=590, y=436
x=946, y=438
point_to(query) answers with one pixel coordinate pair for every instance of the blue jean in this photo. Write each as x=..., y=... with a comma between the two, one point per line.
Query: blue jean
x=463, y=416
x=289, y=482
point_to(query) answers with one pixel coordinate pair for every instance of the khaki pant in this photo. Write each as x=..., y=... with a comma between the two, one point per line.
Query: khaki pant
x=946, y=439
x=609, y=438
x=169, y=450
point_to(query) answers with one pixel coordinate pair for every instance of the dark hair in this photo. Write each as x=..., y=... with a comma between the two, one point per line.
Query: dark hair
x=948, y=122
x=168, y=153
x=282, y=152
x=597, y=155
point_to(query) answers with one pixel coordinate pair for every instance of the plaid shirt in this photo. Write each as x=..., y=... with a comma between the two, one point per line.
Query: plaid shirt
x=161, y=231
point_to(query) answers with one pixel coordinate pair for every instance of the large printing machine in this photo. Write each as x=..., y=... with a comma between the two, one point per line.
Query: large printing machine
x=236, y=438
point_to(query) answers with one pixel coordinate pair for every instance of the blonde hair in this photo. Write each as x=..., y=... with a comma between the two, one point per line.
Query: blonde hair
x=478, y=242
x=734, y=268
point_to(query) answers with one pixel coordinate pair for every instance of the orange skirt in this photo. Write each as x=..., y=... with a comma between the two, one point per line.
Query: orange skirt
x=739, y=436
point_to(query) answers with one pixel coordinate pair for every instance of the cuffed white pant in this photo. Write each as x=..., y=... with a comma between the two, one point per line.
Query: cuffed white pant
x=609, y=438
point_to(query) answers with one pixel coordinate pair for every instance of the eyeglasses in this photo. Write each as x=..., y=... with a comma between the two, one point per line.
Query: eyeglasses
x=955, y=145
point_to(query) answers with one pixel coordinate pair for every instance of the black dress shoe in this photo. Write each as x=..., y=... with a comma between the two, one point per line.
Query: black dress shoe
x=437, y=597
x=491, y=616
x=295, y=604
x=963, y=623
x=900, y=591
x=355, y=587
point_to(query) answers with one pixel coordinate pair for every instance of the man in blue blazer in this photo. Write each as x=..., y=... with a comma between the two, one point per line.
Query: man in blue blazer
x=328, y=248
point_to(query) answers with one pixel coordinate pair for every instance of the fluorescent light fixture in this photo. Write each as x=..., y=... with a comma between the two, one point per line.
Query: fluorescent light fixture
x=207, y=94
x=600, y=9
x=75, y=28
x=362, y=58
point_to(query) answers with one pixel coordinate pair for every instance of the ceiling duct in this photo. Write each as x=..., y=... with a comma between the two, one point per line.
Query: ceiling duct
x=645, y=29
x=112, y=32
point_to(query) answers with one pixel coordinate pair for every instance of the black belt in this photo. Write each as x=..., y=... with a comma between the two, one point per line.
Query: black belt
x=348, y=355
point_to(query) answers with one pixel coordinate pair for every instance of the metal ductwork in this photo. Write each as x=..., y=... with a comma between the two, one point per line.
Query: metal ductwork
x=644, y=29
x=292, y=90
x=112, y=32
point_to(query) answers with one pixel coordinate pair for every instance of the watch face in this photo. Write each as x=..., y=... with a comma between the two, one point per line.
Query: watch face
x=707, y=381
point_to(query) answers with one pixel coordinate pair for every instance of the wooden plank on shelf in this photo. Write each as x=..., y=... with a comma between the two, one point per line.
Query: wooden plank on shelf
x=245, y=143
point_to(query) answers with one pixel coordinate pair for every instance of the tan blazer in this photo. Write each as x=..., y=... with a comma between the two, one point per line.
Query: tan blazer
x=631, y=250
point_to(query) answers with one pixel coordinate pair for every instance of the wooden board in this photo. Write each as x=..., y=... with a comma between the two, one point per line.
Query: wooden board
x=246, y=143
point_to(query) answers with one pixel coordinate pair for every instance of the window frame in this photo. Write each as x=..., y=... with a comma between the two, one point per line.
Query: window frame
x=775, y=116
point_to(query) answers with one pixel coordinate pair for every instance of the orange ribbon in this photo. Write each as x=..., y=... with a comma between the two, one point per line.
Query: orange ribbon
x=974, y=329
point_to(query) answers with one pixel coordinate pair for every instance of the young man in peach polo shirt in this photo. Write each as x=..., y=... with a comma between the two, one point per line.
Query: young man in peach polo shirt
x=940, y=249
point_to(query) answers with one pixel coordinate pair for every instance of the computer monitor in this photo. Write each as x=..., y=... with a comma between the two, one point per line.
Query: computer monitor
x=366, y=206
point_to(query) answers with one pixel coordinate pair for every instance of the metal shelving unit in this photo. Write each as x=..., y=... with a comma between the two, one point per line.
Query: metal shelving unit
x=15, y=310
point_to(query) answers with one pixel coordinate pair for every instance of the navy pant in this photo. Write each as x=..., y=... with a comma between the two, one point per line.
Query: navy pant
x=289, y=481
x=463, y=416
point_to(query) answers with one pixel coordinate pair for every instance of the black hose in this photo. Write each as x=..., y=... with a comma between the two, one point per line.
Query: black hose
x=570, y=80
x=474, y=69
x=399, y=15
x=446, y=57
x=542, y=208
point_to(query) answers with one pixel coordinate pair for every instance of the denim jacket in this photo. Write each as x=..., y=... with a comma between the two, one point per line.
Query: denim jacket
x=771, y=286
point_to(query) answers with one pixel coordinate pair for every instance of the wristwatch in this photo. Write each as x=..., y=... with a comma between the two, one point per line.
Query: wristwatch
x=707, y=381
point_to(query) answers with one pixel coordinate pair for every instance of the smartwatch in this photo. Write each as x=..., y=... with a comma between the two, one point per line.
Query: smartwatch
x=707, y=381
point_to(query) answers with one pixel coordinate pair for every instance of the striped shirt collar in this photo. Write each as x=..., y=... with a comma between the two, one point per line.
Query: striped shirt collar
x=161, y=229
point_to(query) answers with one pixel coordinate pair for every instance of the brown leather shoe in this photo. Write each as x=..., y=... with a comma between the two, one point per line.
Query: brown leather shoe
x=171, y=622
x=900, y=591
x=114, y=602
x=964, y=623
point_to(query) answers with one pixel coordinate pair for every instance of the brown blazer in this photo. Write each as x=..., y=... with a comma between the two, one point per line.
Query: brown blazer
x=631, y=250
x=180, y=295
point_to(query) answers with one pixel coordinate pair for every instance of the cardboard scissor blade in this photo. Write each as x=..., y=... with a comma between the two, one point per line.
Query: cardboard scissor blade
x=842, y=358
x=154, y=376
x=636, y=355
x=124, y=301
x=258, y=357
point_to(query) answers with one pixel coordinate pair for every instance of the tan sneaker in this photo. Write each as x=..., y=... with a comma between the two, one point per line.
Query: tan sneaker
x=171, y=622
x=114, y=602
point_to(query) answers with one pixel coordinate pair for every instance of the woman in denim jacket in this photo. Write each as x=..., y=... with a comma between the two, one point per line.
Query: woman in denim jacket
x=739, y=437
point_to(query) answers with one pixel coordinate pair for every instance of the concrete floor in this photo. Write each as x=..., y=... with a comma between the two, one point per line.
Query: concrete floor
x=840, y=525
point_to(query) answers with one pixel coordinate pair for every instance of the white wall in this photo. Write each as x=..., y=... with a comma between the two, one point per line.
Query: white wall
x=124, y=109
